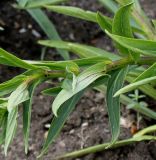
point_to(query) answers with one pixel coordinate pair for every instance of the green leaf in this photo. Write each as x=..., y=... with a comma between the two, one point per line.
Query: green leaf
x=3, y=129
x=121, y=26
x=74, y=12
x=18, y=96
x=9, y=86
x=154, y=23
x=39, y=3
x=27, y=105
x=104, y=22
x=15, y=61
x=48, y=27
x=58, y=122
x=150, y=72
x=135, y=85
x=86, y=78
x=113, y=104
x=22, y=3
x=111, y=5
x=140, y=46
x=79, y=49
x=11, y=128
x=52, y=91
x=121, y=22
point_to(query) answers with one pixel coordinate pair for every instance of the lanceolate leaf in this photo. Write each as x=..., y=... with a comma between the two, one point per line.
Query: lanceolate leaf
x=52, y=91
x=48, y=27
x=9, y=86
x=121, y=26
x=18, y=96
x=79, y=49
x=11, y=128
x=58, y=122
x=3, y=129
x=150, y=72
x=83, y=81
x=104, y=22
x=74, y=12
x=27, y=105
x=121, y=22
x=15, y=61
x=134, y=85
x=146, y=47
x=113, y=104
x=39, y=3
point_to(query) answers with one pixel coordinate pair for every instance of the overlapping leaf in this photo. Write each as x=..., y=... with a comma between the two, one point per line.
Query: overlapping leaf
x=135, y=85
x=140, y=46
x=16, y=62
x=86, y=78
x=9, y=86
x=79, y=49
x=113, y=104
x=58, y=122
x=27, y=105
x=18, y=96
x=11, y=127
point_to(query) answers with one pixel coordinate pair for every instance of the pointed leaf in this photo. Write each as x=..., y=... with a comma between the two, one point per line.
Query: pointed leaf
x=58, y=122
x=146, y=47
x=39, y=3
x=113, y=104
x=79, y=49
x=11, y=128
x=104, y=22
x=15, y=61
x=134, y=85
x=27, y=105
x=52, y=91
x=150, y=72
x=86, y=78
x=10, y=85
x=18, y=96
x=74, y=12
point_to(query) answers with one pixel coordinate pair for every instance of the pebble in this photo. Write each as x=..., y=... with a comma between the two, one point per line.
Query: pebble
x=22, y=30
x=36, y=34
x=84, y=124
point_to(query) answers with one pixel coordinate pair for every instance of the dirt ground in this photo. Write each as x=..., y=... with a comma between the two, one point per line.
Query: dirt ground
x=88, y=124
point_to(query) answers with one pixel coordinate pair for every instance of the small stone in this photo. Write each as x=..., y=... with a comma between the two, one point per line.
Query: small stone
x=36, y=34
x=22, y=30
x=85, y=124
x=72, y=131
x=62, y=144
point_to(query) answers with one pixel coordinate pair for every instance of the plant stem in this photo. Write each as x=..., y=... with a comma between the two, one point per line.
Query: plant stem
x=104, y=146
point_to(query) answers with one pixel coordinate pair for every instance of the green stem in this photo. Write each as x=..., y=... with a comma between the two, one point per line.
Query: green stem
x=104, y=146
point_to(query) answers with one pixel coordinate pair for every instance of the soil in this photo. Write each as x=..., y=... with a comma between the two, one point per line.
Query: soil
x=88, y=124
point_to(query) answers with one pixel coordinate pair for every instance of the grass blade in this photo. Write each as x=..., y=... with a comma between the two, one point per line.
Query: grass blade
x=48, y=27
